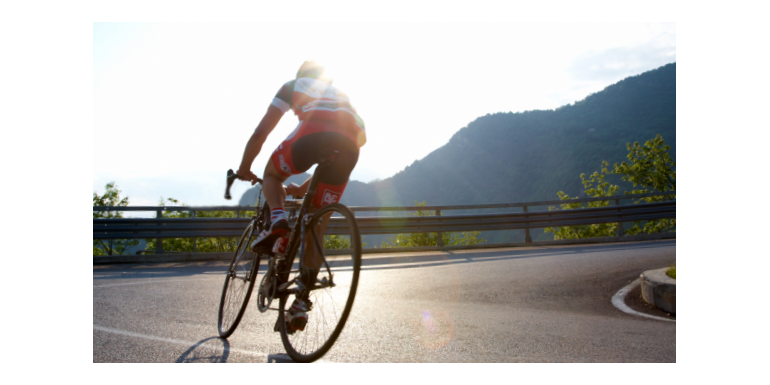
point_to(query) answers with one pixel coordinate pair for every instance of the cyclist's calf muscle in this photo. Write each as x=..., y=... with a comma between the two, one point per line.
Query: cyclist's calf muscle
x=273, y=186
x=312, y=259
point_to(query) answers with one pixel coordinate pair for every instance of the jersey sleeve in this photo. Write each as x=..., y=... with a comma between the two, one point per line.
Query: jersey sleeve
x=282, y=99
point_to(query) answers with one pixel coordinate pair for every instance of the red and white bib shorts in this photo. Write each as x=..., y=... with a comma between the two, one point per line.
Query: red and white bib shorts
x=300, y=150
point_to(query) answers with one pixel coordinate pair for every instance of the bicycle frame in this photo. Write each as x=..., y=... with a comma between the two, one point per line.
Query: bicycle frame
x=298, y=235
x=297, y=238
x=304, y=222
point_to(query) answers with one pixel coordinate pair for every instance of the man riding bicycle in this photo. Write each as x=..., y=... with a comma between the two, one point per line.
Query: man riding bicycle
x=327, y=120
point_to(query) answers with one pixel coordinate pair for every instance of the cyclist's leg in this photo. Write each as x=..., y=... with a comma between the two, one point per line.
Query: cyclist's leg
x=312, y=258
x=325, y=194
x=331, y=186
x=272, y=185
x=281, y=166
x=278, y=169
x=272, y=188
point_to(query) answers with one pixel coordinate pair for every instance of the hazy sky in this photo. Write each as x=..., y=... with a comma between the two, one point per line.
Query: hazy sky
x=174, y=104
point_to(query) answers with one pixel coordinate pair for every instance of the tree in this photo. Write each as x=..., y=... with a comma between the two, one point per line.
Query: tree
x=111, y=197
x=204, y=245
x=431, y=239
x=595, y=186
x=336, y=242
x=650, y=168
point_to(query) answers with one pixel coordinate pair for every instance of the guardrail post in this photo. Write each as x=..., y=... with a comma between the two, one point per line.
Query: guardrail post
x=159, y=241
x=621, y=233
x=527, y=237
x=195, y=240
x=440, y=241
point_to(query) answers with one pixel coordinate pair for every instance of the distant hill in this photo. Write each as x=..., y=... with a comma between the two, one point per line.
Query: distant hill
x=529, y=156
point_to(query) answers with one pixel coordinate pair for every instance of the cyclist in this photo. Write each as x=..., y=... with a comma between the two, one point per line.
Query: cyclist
x=326, y=120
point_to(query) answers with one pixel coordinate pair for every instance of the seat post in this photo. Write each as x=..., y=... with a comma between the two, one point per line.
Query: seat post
x=311, y=190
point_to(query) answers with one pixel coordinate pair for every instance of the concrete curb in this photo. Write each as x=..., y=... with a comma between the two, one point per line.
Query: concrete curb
x=198, y=257
x=659, y=290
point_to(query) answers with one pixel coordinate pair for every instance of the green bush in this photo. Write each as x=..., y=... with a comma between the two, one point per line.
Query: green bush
x=431, y=239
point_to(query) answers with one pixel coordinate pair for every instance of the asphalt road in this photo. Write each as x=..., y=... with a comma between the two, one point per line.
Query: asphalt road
x=540, y=304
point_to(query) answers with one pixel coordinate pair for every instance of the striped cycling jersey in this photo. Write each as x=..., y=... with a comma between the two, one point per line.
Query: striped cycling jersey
x=312, y=99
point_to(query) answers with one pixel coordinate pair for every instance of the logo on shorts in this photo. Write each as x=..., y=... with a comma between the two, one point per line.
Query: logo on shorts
x=330, y=197
x=284, y=166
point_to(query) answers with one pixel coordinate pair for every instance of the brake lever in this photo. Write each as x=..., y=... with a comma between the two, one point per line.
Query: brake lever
x=231, y=177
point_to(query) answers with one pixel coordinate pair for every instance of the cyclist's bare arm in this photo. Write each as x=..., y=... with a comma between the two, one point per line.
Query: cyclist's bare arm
x=254, y=146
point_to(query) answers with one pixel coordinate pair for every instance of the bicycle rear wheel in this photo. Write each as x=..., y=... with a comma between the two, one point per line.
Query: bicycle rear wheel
x=239, y=283
x=335, y=288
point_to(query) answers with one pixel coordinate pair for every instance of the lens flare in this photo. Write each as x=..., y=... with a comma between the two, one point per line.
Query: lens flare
x=434, y=329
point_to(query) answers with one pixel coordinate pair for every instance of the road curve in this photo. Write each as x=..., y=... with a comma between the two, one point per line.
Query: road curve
x=538, y=304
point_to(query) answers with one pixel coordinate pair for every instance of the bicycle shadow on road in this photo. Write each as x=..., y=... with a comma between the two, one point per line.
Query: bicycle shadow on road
x=210, y=351
x=279, y=359
x=205, y=352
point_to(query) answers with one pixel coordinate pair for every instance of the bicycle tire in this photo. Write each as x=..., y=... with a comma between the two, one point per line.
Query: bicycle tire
x=326, y=320
x=239, y=283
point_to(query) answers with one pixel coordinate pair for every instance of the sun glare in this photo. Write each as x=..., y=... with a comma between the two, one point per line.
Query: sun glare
x=164, y=89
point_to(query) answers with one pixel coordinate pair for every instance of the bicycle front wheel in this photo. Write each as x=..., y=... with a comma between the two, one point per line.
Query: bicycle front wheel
x=239, y=283
x=338, y=264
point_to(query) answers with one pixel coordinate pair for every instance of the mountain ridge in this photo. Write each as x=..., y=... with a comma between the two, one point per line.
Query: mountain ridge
x=529, y=156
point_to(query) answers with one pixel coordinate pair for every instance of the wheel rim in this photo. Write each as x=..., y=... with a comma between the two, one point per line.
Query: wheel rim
x=330, y=305
x=323, y=320
x=238, y=286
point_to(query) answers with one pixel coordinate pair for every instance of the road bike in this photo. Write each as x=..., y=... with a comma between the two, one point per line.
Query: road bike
x=336, y=260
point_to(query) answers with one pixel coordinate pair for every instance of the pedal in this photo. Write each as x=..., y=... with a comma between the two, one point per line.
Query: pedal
x=324, y=283
x=289, y=330
x=298, y=324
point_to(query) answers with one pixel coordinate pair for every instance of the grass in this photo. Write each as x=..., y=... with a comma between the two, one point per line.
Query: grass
x=671, y=272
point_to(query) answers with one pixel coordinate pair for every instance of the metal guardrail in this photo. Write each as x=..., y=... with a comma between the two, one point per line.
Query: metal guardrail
x=160, y=228
x=393, y=208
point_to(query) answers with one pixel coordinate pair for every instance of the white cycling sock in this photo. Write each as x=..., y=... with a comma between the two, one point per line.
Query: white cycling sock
x=277, y=215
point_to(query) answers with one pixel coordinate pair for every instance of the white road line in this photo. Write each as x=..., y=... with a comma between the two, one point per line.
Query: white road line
x=176, y=341
x=155, y=281
x=619, y=302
